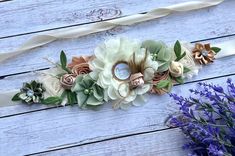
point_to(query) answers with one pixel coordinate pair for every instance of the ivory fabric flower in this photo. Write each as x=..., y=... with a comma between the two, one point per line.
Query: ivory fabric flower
x=188, y=60
x=52, y=84
x=176, y=69
x=110, y=53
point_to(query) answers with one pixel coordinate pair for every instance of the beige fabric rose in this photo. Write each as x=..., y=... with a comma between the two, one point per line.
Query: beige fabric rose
x=79, y=65
x=67, y=81
x=176, y=69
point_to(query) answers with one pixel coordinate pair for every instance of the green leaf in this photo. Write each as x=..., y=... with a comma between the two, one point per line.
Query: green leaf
x=52, y=100
x=163, y=66
x=63, y=60
x=162, y=84
x=216, y=49
x=71, y=96
x=179, y=80
x=16, y=97
x=177, y=49
x=180, y=57
x=186, y=70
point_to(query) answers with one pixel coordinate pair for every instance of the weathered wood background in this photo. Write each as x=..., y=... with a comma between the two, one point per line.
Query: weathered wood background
x=41, y=130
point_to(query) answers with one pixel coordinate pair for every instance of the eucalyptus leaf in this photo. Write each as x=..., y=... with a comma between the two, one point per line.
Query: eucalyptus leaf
x=177, y=49
x=162, y=84
x=52, y=100
x=216, y=49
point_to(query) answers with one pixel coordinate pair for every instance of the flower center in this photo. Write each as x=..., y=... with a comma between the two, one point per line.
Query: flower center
x=30, y=93
x=121, y=71
x=204, y=53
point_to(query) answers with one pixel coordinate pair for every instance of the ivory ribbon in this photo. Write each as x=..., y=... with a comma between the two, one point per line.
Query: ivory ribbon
x=78, y=31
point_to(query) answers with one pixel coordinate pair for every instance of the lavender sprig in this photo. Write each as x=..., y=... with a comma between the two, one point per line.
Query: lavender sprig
x=207, y=118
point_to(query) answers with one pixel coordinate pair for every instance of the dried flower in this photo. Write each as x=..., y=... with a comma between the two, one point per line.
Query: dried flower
x=67, y=80
x=209, y=119
x=157, y=78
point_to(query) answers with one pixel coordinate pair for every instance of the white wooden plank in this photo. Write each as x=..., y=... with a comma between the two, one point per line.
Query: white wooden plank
x=49, y=14
x=219, y=21
x=161, y=143
x=69, y=126
x=218, y=68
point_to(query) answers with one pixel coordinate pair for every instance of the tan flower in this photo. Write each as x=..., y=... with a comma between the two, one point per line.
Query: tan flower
x=136, y=80
x=67, y=80
x=79, y=65
x=203, y=53
x=82, y=68
x=176, y=69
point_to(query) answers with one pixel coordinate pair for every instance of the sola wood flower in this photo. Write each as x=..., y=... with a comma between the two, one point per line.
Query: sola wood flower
x=88, y=92
x=80, y=65
x=203, y=53
x=67, y=80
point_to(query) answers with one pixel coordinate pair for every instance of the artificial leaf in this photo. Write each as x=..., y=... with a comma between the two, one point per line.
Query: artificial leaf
x=177, y=49
x=180, y=57
x=216, y=49
x=162, y=84
x=63, y=60
x=52, y=100
x=179, y=80
x=163, y=66
x=71, y=96
x=186, y=70
x=16, y=97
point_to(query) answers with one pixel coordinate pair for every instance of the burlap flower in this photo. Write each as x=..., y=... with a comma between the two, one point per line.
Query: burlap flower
x=157, y=78
x=203, y=54
x=80, y=65
x=67, y=81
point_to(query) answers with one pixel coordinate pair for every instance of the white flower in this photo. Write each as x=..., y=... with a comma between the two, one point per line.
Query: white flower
x=188, y=60
x=113, y=51
x=52, y=84
x=176, y=69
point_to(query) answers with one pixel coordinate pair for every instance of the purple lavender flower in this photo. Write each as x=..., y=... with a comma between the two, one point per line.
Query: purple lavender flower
x=207, y=118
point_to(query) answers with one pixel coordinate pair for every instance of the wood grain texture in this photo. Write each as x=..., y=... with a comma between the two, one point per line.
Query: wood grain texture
x=161, y=143
x=68, y=126
x=219, y=21
x=50, y=14
x=15, y=82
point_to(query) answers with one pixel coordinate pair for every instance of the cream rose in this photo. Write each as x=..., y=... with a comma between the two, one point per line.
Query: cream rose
x=67, y=81
x=176, y=69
